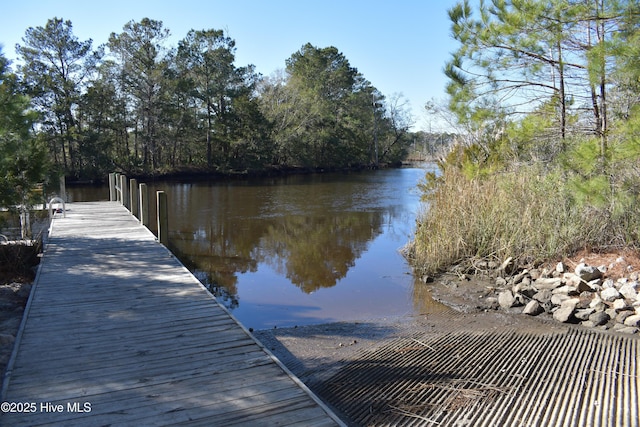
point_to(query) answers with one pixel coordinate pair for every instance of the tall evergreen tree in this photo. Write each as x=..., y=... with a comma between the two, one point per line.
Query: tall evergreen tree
x=22, y=157
x=324, y=83
x=56, y=66
x=143, y=63
x=206, y=62
x=532, y=57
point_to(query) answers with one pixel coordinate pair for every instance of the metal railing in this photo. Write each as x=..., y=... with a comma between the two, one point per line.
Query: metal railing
x=57, y=200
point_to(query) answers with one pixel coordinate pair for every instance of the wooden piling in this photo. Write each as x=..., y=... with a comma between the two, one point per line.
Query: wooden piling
x=144, y=205
x=124, y=189
x=63, y=188
x=112, y=187
x=163, y=219
x=117, y=188
x=133, y=199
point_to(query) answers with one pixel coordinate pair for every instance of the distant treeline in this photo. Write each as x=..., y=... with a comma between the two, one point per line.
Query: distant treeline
x=142, y=107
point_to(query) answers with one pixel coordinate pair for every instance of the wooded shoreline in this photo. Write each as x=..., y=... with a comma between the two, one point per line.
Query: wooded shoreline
x=275, y=171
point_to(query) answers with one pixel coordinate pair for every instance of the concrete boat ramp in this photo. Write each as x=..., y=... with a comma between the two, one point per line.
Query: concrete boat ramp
x=466, y=369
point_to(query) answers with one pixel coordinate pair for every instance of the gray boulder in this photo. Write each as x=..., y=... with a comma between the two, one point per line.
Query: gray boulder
x=533, y=308
x=622, y=316
x=628, y=290
x=547, y=283
x=587, y=272
x=584, y=313
x=608, y=283
x=506, y=299
x=633, y=320
x=619, y=305
x=599, y=318
x=565, y=312
x=558, y=299
x=610, y=294
x=567, y=290
x=524, y=289
x=543, y=296
x=597, y=303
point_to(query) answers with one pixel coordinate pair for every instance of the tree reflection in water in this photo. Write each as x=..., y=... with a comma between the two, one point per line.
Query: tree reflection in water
x=332, y=237
x=316, y=252
x=312, y=252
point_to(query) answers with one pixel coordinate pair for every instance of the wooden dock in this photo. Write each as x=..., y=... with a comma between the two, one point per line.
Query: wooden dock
x=118, y=332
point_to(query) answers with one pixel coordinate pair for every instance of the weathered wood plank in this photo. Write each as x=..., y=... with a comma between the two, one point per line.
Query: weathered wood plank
x=103, y=355
x=154, y=378
x=117, y=321
x=214, y=324
x=138, y=407
x=149, y=359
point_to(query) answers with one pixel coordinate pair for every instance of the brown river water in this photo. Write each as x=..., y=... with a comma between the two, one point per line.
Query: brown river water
x=298, y=250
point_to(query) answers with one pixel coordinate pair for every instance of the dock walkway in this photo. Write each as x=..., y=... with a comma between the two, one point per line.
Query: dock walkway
x=118, y=332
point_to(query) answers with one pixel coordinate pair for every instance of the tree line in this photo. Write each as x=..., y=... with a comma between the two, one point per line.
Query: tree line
x=141, y=106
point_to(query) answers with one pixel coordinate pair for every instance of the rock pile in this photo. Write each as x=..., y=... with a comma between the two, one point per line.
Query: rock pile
x=584, y=295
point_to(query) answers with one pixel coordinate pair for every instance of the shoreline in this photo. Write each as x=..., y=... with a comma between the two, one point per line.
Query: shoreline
x=272, y=172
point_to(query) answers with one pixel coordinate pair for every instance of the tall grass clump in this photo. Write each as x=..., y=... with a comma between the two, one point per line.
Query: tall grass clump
x=529, y=213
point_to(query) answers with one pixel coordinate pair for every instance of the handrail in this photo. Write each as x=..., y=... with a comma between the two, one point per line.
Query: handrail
x=57, y=200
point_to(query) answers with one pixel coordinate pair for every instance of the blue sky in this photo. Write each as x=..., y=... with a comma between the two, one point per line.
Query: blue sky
x=399, y=46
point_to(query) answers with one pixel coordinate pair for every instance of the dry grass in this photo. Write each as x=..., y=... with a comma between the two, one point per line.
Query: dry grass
x=528, y=214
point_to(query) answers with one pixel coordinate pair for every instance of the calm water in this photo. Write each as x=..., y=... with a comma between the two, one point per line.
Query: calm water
x=301, y=249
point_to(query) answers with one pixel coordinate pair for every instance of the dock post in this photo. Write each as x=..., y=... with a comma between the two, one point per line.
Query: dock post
x=163, y=220
x=117, y=187
x=133, y=199
x=63, y=188
x=112, y=187
x=144, y=205
x=125, y=191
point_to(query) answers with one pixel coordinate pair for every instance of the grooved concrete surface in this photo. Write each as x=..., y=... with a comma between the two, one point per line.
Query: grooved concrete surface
x=454, y=369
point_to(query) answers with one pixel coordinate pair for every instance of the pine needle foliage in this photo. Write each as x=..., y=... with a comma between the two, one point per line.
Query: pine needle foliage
x=552, y=162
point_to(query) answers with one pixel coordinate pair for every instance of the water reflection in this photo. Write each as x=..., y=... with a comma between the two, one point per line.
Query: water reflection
x=301, y=249
x=316, y=252
x=308, y=229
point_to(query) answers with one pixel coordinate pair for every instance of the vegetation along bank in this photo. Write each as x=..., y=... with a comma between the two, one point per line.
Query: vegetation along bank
x=547, y=99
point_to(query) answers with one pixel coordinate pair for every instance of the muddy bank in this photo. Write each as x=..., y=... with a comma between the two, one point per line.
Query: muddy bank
x=315, y=352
